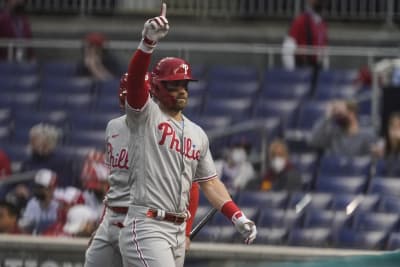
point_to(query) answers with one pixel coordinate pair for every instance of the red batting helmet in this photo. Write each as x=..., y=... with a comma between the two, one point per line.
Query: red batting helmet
x=123, y=85
x=169, y=69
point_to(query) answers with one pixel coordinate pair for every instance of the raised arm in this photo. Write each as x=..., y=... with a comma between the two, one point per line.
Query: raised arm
x=154, y=29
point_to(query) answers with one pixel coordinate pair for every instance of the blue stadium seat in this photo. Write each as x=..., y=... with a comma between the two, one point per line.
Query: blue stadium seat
x=333, y=92
x=310, y=237
x=319, y=200
x=271, y=236
x=198, y=71
x=200, y=213
x=91, y=120
x=232, y=73
x=300, y=75
x=15, y=152
x=350, y=238
x=19, y=84
x=342, y=165
x=304, y=162
x=212, y=122
x=284, y=91
x=272, y=218
x=67, y=102
x=20, y=101
x=96, y=139
x=59, y=69
x=393, y=242
x=386, y=186
x=361, y=202
x=310, y=111
x=337, y=76
x=341, y=184
x=197, y=89
x=108, y=87
x=376, y=221
x=5, y=134
x=390, y=204
x=67, y=85
x=5, y=116
x=225, y=89
x=235, y=109
x=326, y=218
x=220, y=234
x=18, y=68
x=107, y=104
x=297, y=140
x=285, y=110
x=272, y=199
x=194, y=107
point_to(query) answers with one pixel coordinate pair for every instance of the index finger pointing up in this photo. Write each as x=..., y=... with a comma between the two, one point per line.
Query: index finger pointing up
x=163, y=10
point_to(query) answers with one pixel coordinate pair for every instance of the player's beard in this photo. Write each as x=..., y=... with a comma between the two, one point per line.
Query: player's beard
x=180, y=104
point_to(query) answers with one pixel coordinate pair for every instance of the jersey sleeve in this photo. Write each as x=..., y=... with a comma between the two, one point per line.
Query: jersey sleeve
x=137, y=92
x=193, y=205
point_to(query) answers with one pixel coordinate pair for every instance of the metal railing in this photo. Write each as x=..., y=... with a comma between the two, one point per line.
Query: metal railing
x=353, y=10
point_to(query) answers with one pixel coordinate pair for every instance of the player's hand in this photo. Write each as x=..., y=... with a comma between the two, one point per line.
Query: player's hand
x=246, y=227
x=156, y=28
x=187, y=244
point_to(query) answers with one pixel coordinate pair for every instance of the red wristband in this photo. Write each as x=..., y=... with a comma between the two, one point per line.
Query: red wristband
x=229, y=209
x=149, y=42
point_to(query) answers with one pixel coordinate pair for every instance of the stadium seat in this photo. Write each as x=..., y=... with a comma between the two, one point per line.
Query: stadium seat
x=376, y=221
x=284, y=91
x=223, y=89
x=5, y=116
x=96, y=139
x=272, y=218
x=344, y=166
x=235, y=109
x=337, y=76
x=108, y=87
x=310, y=237
x=91, y=121
x=341, y=184
x=326, y=218
x=304, y=200
x=304, y=162
x=361, y=202
x=390, y=204
x=58, y=69
x=15, y=152
x=67, y=85
x=333, y=92
x=385, y=186
x=350, y=238
x=285, y=110
x=310, y=111
x=67, y=102
x=107, y=104
x=19, y=84
x=212, y=122
x=194, y=107
x=220, y=234
x=278, y=75
x=232, y=73
x=271, y=236
x=393, y=242
x=271, y=199
x=18, y=68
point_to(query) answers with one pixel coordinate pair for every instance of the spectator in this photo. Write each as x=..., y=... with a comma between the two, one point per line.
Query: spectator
x=14, y=24
x=42, y=210
x=5, y=165
x=236, y=170
x=43, y=141
x=389, y=149
x=9, y=218
x=339, y=132
x=307, y=29
x=94, y=179
x=81, y=221
x=97, y=62
x=281, y=174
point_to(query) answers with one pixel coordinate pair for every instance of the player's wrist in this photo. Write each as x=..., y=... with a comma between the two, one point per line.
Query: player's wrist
x=146, y=45
x=230, y=210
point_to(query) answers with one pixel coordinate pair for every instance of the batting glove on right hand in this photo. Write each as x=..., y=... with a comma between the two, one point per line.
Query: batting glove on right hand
x=245, y=227
x=154, y=29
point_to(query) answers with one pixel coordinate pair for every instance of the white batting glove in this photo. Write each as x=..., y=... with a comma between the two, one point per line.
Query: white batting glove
x=154, y=29
x=245, y=227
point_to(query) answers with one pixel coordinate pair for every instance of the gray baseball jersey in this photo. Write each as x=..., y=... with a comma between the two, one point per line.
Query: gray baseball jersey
x=104, y=249
x=168, y=155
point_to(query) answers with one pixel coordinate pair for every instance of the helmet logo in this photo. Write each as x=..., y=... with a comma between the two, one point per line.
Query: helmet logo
x=185, y=68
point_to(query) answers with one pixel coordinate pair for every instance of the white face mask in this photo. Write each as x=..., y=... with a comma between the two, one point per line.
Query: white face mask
x=238, y=155
x=278, y=164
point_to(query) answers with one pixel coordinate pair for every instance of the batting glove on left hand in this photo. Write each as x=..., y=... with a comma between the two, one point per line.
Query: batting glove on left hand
x=154, y=29
x=246, y=227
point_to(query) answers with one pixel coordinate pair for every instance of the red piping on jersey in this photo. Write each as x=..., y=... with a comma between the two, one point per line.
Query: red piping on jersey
x=193, y=204
x=137, y=93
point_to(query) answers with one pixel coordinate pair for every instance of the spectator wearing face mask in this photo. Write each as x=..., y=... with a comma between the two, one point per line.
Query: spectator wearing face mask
x=280, y=174
x=42, y=209
x=236, y=170
x=387, y=150
x=339, y=132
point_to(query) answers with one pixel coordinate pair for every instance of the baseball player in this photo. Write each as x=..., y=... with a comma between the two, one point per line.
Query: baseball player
x=170, y=152
x=103, y=248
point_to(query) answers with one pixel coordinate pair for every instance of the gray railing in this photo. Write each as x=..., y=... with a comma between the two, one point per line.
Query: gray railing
x=382, y=10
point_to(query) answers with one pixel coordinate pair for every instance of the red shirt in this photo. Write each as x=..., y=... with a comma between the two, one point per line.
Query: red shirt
x=5, y=165
x=308, y=31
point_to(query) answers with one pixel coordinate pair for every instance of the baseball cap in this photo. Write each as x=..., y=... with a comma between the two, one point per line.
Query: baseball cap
x=77, y=217
x=46, y=178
